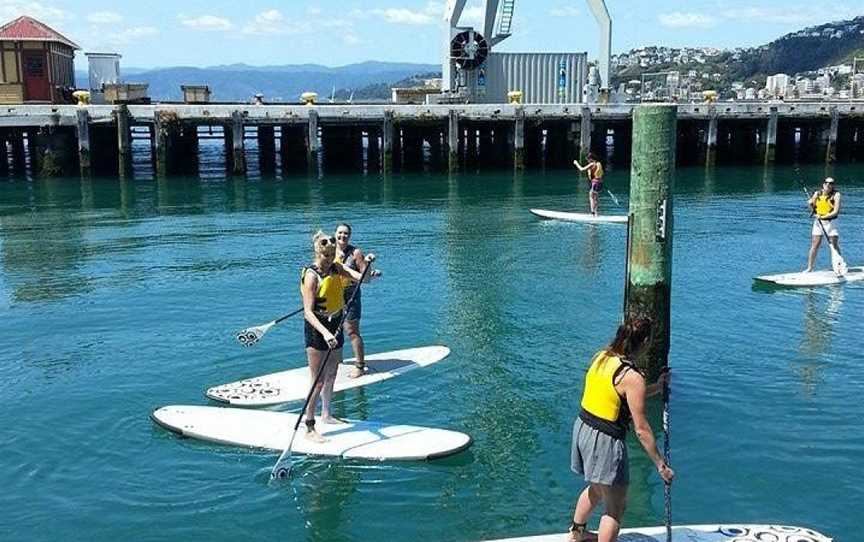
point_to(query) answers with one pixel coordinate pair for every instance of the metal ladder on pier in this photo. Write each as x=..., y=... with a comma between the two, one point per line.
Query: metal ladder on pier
x=506, y=21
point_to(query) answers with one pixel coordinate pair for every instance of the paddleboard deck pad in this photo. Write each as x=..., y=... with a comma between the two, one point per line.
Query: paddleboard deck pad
x=580, y=217
x=703, y=533
x=813, y=278
x=293, y=385
x=268, y=430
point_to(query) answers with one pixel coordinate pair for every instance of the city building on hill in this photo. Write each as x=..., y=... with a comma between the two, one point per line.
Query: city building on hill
x=777, y=84
x=36, y=64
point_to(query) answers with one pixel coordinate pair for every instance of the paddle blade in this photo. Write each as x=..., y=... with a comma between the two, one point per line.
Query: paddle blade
x=613, y=197
x=251, y=335
x=281, y=470
x=838, y=264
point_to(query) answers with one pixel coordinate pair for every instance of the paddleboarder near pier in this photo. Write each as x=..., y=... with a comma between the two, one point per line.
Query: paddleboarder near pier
x=614, y=395
x=352, y=257
x=322, y=288
x=595, y=180
x=825, y=204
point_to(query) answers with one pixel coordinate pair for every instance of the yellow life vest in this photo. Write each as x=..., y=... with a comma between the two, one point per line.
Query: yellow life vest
x=329, y=299
x=824, y=205
x=600, y=397
x=349, y=255
x=596, y=173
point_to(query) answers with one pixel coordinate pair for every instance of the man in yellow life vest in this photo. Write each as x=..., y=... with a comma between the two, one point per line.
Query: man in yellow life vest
x=825, y=204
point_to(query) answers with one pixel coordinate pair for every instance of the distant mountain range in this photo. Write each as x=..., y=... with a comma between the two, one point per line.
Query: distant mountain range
x=239, y=82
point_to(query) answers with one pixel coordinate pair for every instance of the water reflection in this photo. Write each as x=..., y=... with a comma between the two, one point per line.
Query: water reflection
x=820, y=316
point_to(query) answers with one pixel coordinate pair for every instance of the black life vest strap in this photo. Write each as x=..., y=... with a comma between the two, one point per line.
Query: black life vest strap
x=613, y=429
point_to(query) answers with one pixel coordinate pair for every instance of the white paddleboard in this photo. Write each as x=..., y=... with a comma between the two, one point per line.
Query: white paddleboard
x=270, y=430
x=580, y=217
x=814, y=278
x=702, y=533
x=293, y=385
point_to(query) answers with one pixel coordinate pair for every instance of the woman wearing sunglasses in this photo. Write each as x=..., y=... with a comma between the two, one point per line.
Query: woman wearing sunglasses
x=322, y=288
x=352, y=257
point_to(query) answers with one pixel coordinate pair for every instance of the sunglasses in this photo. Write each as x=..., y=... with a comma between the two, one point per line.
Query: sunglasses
x=324, y=241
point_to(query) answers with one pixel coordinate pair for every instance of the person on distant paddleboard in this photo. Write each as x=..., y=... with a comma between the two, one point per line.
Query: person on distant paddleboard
x=323, y=288
x=352, y=257
x=614, y=394
x=825, y=204
x=595, y=179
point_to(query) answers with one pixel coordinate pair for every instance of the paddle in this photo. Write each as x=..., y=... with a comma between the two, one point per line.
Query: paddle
x=667, y=487
x=282, y=468
x=252, y=335
x=618, y=203
x=838, y=264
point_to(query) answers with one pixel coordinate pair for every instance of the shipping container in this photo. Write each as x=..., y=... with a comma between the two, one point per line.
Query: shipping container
x=543, y=78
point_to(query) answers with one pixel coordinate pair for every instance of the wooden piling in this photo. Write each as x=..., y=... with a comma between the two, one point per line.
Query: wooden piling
x=585, y=129
x=649, y=276
x=83, y=134
x=124, y=141
x=238, y=147
x=771, y=137
x=831, y=151
x=387, y=143
x=453, y=141
x=519, y=140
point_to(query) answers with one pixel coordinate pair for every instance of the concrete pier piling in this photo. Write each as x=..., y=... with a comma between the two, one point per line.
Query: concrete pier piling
x=585, y=129
x=453, y=133
x=82, y=128
x=833, y=128
x=711, y=140
x=649, y=258
x=771, y=137
x=519, y=140
x=428, y=137
x=238, y=144
x=312, y=141
x=387, y=143
x=124, y=141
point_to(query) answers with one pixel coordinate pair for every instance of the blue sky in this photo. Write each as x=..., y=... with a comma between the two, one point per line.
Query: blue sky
x=330, y=32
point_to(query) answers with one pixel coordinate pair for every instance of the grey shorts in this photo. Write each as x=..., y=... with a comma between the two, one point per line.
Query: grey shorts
x=356, y=308
x=600, y=458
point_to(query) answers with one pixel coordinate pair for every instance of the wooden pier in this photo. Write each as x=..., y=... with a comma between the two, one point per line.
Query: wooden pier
x=60, y=140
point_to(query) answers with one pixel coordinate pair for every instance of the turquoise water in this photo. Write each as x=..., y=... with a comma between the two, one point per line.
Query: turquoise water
x=120, y=297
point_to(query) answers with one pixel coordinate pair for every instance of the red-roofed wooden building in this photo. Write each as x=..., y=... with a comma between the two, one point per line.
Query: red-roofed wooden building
x=36, y=63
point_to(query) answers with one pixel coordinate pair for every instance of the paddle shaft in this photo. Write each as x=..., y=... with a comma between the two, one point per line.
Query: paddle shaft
x=667, y=487
x=320, y=372
x=289, y=315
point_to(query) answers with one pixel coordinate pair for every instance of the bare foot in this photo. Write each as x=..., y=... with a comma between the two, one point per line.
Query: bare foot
x=315, y=436
x=584, y=536
x=808, y=270
x=357, y=372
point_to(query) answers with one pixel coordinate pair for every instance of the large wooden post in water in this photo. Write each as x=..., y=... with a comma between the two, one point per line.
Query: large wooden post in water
x=649, y=257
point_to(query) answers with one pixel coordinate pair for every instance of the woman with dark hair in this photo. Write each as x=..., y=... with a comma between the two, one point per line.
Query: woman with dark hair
x=352, y=257
x=595, y=180
x=614, y=394
x=322, y=287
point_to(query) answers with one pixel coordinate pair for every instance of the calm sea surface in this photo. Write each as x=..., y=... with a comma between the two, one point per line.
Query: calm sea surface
x=121, y=297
